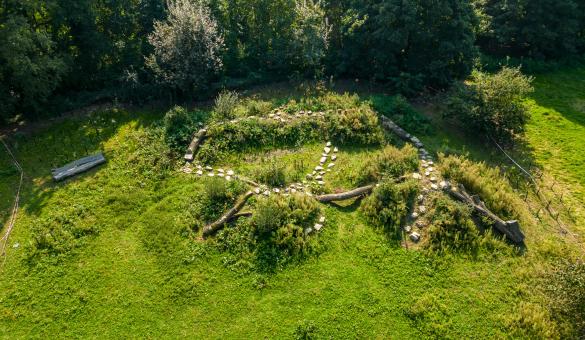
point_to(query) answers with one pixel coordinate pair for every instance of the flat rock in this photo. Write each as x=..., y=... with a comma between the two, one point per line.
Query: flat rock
x=322, y=219
x=335, y=149
x=228, y=178
x=327, y=150
x=328, y=144
x=433, y=179
x=434, y=186
x=334, y=157
x=330, y=165
x=199, y=173
x=422, y=209
x=318, y=168
x=208, y=168
x=407, y=228
x=276, y=190
x=323, y=160
x=230, y=172
x=414, y=215
x=318, y=226
x=321, y=183
x=211, y=174
x=266, y=193
x=319, y=178
x=416, y=175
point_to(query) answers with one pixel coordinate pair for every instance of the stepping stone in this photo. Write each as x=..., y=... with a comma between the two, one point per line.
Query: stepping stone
x=318, y=168
x=308, y=231
x=230, y=172
x=187, y=170
x=407, y=228
x=208, y=168
x=321, y=173
x=331, y=165
x=293, y=190
x=321, y=183
x=323, y=160
x=257, y=190
x=276, y=190
x=328, y=144
x=327, y=150
x=422, y=209
x=211, y=174
x=220, y=174
x=318, y=226
x=335, y=149
x=416, y=175
x=414, y=215
x=443, y=184
x=228, y=178
x=319, y=178
x=199, y=173
x=322, y=219
x=334, y=157
x=266, y=193
x=434, y=186
x=433, y=179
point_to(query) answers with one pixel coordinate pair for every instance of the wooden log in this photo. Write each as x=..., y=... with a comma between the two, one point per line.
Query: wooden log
x=194, y=146
x=78, y=166
x=346, y=195
x=219, y=224
x=511, y=229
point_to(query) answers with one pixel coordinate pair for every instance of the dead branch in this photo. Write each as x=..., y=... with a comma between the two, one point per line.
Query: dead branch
x=346, y=195
x=194, y=146
x=227, y=217
x=509, y=228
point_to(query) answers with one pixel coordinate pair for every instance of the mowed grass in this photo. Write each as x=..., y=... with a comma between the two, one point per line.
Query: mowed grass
x=556, y=132
x=141, y=273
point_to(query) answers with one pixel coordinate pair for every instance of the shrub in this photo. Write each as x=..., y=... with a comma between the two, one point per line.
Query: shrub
x=151, y=155
x=225, y=105
x=178, y=127
x=491, y=104
x=390, y=162
x=355, y=126
x=452, y=228
x=402, y=113
x=220, y=195
x=187, y=47
x=389, y=204
x=272, y=174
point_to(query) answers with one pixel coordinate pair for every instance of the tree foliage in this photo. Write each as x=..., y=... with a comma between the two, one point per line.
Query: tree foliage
x=492, y=104
x=187, y=47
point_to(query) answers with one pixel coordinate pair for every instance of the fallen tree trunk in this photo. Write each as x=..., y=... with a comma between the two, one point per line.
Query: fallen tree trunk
x=346, y=195
x=219, y=224
x=194, y=146
x=509, y=228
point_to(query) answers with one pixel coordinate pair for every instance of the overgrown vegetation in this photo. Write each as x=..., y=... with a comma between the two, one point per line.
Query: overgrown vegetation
x=390, y=163
x=491, y=104
x=389, y=204
x=402, y=113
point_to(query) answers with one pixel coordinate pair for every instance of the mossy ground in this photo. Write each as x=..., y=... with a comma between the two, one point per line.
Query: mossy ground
x=143, y=274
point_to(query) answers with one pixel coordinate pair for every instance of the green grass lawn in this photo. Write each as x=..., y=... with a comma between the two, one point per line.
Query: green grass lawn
x=556, y=131
x=136, y=272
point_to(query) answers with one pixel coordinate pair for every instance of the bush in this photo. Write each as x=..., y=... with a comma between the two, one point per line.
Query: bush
x=355, y=126
x=178, y=127
x=151, y=155
x=187, y=47
x=220, y=195
x=452, y=228
x=491, y=104
x=402, y=113
x=389, y=204
x=275, y=235
x=390, y=162
x=225, y=105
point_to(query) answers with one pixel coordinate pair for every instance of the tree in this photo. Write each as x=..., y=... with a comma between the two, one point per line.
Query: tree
x=29, y=68
x=187, y=47
x=491, y=104
x=539, y=29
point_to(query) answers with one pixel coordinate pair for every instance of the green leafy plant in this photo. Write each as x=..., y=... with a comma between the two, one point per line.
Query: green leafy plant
x=389, y=204
x=178, y=127
x=389, y=162
x=225, y=105
x=273, y=173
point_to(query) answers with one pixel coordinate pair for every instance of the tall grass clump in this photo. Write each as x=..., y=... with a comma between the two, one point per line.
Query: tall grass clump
x=225, y=105
x=479, y=179
x=219, y=195
x=389, y=204
x=273, y=173
x=390, y=162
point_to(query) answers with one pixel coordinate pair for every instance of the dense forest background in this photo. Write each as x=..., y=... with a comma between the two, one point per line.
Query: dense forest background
x=56, y=55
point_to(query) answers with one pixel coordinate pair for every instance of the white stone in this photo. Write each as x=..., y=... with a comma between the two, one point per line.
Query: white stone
x=309, y=176
x=276, y=190
x=415, y=237
x=334, y=157
x=16, y=245
x=407, y=228
x=319, y=178
x=228, y=178
x=208, y=168
x=308, y=231
x=327, y=150
x=211, y=174
x=433, y=179
x=199, y=166
x=230, y=172
x=271, y=115
x=422, y=209
x=257, y=190
x=322, y=219
x=221, y=174
x=199, y=173
x=335, y=149
x=266, y=193
x=443, y=184
x=293, y=190
x=416, y=175
x=421, y=198
x=318, y=226
x=328, y=144
x=434, y=186
x=414, y=215
x=431, y=169
x=321, y=173
x=331, y=165
x=318, y=168
x=323, y=160
x=427, y=173
x=187, y=170
x=321, y=183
